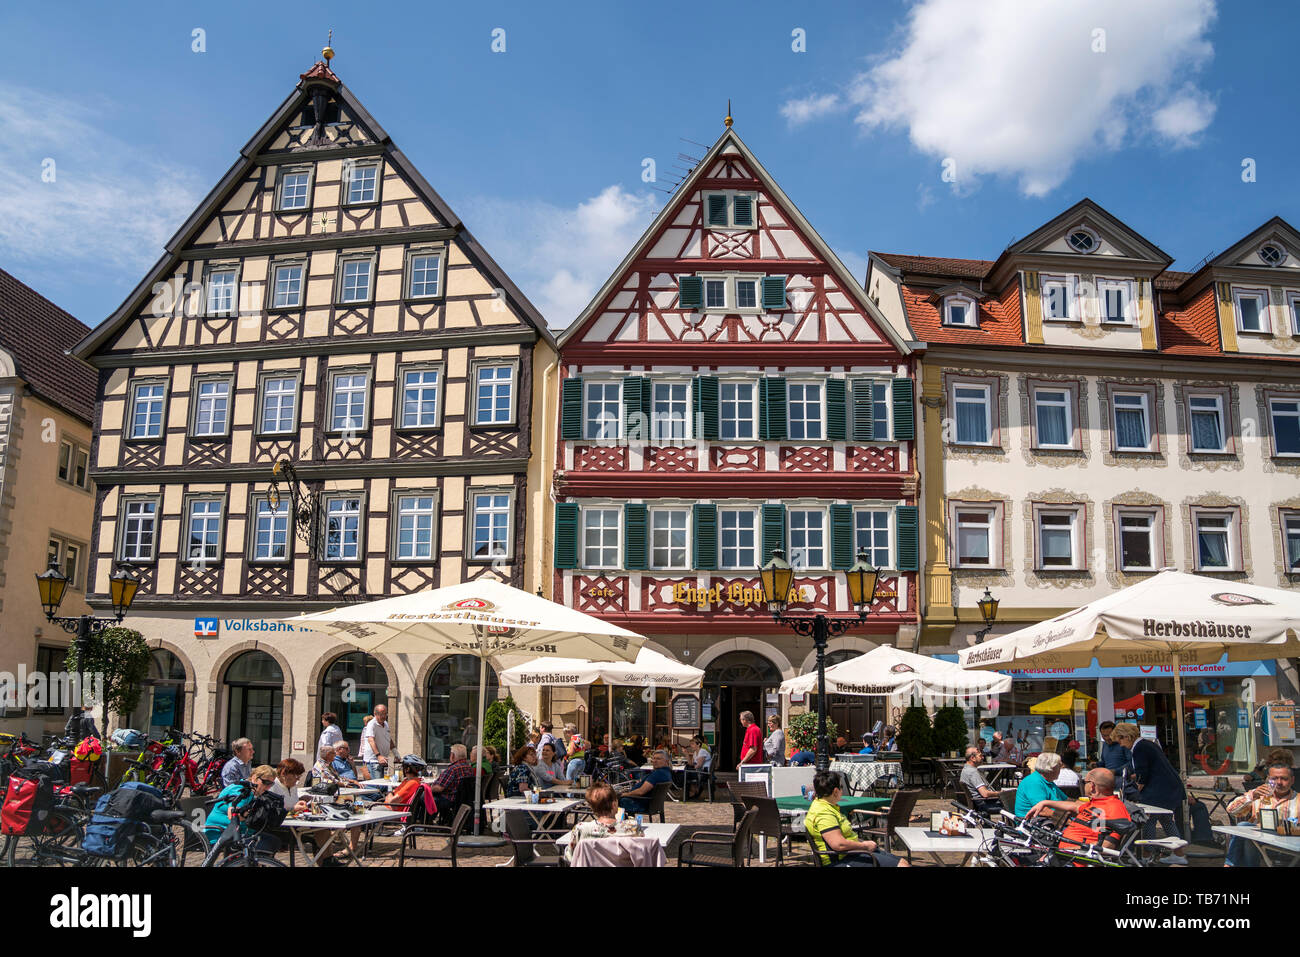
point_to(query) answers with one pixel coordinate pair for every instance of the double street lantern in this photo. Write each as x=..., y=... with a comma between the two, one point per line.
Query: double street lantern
x=777, y=578
x=53, y=584
x=988, y=606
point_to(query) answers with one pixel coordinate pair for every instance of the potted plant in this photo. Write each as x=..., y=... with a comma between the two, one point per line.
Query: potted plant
x=801, y=731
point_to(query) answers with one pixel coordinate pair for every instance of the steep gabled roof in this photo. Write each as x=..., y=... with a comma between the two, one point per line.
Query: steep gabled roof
x=937, y=266
x=318, y=75
x=666, y=215
x=1086, y=209
x=37, y=333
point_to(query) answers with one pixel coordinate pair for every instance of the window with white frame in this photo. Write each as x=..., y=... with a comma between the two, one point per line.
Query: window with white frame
x=715, y=293
x=363, y=179
x=294, y=187
x=602, y=416
x=203, y=537
x=670, y=410
x=342, y=529
x=74, y=464
x=1205, y=425
x=420, y=398
x=147, y=410
x=807, y=537
x=426, y=270
x=1053, y=418
x=871, y=534
x=1115, y=298
x=738, y=538
x=1137, y=539
x=279, y=405
x=494, y=387
x=491, y=523
x=1058, y=298
x=222, y=294
x=211, y=407
x=1215, y=540
x=1082, y=240
x=270, y=532
x=415, y=517
x=1291, y=539
x=1252, y=309
x=139, y=530
x=1059, y=545
x=746, y=293
x=736, y=410
x=600, y=537
x=1132, y=421
x=976, y=539
x=1284, y=413
x=349, y=391
x=880, y=408
x=668, y=537
x=804, y=411
x=354, y=280
x=973, y=405
x=1293, y=310
x=959, y=311
x=287, y=292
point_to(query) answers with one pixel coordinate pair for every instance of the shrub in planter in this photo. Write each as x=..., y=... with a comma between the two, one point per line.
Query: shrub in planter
x=802, y=732
x=950, y=731
x=915, y=735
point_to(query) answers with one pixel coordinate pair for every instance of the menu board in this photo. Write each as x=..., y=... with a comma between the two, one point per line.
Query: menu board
x=686, y=711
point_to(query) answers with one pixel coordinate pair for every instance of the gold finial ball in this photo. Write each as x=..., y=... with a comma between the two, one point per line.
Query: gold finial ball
x=327, y=53
x=727, y=122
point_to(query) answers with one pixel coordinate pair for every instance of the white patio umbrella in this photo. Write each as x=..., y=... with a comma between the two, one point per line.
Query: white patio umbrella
x=484, y=618
x=1171, y=618
x=651, y=669
x=886, y=670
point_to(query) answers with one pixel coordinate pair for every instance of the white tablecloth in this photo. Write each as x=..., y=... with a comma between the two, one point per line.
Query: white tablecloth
x=861, y=775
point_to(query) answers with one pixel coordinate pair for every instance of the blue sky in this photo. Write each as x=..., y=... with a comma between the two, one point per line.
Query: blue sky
x=540, y=148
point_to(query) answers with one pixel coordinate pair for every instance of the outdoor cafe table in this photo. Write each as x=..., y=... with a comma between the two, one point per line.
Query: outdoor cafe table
x=994, y=773
x=919, y=840
x=797, y=807
x=861, y=775
x=1270, y=844
x=544, y=815
x=1218, y=798
x=336, y=831
x=663, y=833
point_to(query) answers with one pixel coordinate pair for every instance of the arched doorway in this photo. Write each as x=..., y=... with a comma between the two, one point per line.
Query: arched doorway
x=735, y=682
x=162, y=695
x=452, y=714
x=852, y=714
x=255, y=704
x=352, y=687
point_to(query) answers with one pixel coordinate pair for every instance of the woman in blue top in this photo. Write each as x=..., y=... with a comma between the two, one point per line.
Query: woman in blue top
x=1041, y=785
x=240, y=797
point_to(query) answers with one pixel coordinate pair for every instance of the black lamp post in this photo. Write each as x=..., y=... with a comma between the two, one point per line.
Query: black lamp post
x=988, y=606
x=777, y=577
x=52, y=584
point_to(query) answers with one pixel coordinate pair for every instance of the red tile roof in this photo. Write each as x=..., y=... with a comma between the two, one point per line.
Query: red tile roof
x=1171, y=279
x=938, y=266
x=999, y=319
x=1192, y=330
x=36, y=332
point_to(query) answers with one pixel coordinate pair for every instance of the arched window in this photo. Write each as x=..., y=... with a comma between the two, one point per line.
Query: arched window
x=255, y=704
x=742, y=667
x=352, y=687
x=738, y=681
x=452, y=713
x=162, y=695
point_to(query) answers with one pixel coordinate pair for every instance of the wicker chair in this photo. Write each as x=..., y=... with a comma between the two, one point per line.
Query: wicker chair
x=887, y=820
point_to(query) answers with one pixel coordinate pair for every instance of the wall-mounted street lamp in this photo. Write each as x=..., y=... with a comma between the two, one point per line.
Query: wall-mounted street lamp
x=988, y=606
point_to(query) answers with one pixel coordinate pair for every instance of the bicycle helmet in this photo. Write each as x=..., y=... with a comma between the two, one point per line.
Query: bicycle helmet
x=414, y=761
x=173, y=752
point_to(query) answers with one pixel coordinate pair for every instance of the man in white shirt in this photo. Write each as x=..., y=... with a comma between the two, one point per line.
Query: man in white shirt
x=1068, y=776
x=377, y=743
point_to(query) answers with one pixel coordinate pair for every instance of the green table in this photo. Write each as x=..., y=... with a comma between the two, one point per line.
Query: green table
x=847, y=804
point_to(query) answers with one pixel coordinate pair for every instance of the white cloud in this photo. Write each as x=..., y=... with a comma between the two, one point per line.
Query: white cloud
x=811, y=107
x=560, y=256
x=1029, y=89
x=110, y=203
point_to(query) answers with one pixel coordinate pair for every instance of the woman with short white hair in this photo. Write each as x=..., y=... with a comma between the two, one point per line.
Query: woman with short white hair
x=1041, y=784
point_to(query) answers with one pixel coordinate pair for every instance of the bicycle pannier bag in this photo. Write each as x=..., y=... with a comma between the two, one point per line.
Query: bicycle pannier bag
x=28, y=799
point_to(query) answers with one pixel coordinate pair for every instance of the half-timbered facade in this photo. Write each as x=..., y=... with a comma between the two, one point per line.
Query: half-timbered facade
x=729, y=391
x=323, y=307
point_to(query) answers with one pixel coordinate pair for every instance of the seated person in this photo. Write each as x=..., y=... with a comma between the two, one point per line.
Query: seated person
x=841, y=745
x=235, y=798
x=520, y=778
x=1008, y=751
x=402, y=795
x=347, y=775
x=287, y=775
x=1040, y=784
x=542, y=776
x=478, y=756
x=802, y=759
x=603, y=802
x=889, y=738
x=698, y=759
x=548, y=767
x=866, y=744
x=444, y=789
x=637, y=800
x=1068, y=778
x=978, y=791
x=577, y=762
x=324, y=771
x=636, y=750
x=1099, y=802
x=1277, y=791
x=831, y=834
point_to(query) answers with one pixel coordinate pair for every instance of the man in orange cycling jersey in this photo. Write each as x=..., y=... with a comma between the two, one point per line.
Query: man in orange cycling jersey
x=1098, y=804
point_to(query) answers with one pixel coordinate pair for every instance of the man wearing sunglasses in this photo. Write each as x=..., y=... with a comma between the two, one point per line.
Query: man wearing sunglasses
x=1277, y=792
x=1097, y=806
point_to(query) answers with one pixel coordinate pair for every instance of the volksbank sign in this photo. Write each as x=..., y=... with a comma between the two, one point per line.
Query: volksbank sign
x=211, y=627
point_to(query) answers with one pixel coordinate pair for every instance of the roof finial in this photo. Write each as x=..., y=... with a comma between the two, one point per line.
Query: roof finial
x=328, y=52
x=727, y=122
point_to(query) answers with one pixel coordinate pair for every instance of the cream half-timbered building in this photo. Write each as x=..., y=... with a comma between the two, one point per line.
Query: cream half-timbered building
x=324, y=307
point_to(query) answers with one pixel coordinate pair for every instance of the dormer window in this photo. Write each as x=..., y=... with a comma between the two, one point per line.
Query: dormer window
x=1271, y=254
x=1082, y=240
x=1057, y=298
x=730, y=210
x=959, y=311
x=1115, y=297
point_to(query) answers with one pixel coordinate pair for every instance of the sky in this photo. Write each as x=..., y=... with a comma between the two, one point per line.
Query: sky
x=936, y=127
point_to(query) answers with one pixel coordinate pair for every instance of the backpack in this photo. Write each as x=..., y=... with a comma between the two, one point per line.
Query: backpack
x=129, y=738
x=1202, y=832
x=119, y=817
x=29, y=796
x=263, y=812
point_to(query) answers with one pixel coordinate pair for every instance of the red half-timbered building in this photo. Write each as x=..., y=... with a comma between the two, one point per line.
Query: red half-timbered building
x=731, y=389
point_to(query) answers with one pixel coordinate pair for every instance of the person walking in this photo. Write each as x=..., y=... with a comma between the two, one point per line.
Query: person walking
x=377, y=743
x=751, y=749
x=331, y=734
x=774, y=744
x=1158, y=783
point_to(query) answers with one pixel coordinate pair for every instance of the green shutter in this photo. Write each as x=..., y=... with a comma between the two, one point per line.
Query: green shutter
x=771, y=408
x=705, y=399
x=904, y=427
x=706, y=536
x=836, y=417
x=773, y=532
x=743, y=210
x=634, y=537
x=718, y=209
x=773, y=292
x=863, y=411
x=690, y=292
x=566, y=535
x=636, y=401
x=841, y=536
x=906, y=557
x=571, y=405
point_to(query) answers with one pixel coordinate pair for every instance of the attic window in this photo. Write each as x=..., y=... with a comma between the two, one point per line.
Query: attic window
x=1271, y=254
x=730, y=210
x=1082, y=241
x=959, y=311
